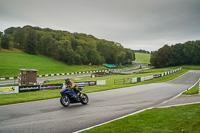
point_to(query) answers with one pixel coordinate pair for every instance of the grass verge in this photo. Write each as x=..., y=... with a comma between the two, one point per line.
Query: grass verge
x=12, y=62
x=142, y=58
x=166, y=120
x=6, y=99
x=193, y=90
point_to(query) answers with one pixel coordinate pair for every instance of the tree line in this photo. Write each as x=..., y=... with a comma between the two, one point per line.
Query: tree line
x=187, y=53
x=142, y=51
x=71, y=48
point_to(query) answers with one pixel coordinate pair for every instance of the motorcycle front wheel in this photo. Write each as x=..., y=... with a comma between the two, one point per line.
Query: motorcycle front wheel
x=84, y=99
x=65, y=101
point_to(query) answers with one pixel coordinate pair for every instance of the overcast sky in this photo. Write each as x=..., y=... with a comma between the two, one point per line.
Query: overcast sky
x=136, y=24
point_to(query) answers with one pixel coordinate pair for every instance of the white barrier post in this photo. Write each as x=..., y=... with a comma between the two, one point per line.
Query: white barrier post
x=134, y=80
x=101, y=82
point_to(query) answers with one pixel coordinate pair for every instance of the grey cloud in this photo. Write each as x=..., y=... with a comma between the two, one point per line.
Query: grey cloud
x=145, y=24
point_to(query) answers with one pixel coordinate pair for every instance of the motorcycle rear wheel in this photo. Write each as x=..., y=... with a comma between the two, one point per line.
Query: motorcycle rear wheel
x=65, y=101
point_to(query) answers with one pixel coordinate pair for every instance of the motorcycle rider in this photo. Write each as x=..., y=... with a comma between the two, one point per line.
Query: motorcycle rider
x=71, y=86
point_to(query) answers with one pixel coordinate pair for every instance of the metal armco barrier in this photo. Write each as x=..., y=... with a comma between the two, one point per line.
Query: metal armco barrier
x=148, y=77
x=156, y=76
x=101, y=82
x=139, y=79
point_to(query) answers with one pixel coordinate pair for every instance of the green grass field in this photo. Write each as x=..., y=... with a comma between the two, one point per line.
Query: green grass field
x=142, y=58
x=13, y=60
x=183, y=119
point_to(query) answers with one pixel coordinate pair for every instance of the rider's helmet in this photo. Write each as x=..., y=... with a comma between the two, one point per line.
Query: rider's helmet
x=67, y=80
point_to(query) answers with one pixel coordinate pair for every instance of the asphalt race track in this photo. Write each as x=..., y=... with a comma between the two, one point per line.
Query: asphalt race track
x=48, y=116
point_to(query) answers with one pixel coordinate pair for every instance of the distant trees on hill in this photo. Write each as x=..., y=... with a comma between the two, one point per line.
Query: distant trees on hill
x=142, y=51
x=5, y=42
x=187, y=53
x=71, y=48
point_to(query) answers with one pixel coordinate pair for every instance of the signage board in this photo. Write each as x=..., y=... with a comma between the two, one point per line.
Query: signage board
x=51, y=86
x=29, y=88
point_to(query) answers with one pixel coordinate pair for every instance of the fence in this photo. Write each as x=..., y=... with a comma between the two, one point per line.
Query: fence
x=139, y=79
x=58, y=74
x=18, y=89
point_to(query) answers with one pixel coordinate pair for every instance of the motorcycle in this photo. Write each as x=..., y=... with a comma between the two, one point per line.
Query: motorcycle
x=68, y=96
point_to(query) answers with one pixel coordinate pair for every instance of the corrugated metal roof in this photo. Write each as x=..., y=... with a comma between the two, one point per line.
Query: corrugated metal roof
x=28, y=69
x=109, y=65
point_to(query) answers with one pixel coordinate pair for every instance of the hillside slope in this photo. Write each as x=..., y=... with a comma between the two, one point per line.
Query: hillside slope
x=13, y=60
x=142, y=58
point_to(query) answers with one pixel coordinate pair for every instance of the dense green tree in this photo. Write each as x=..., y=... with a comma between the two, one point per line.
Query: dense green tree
x=129, y=56
x=160, y=58
x=94, y=57
x=74, y=43
x=1, y=33
x=120, y=58
x=81, y=57
x=142, y=51
x=197, y=52
x=191, y=52
x=109, y=50
x=19, y=38
x=56, y=50
x=45, y=45
x=176, y=55
x=71, y=48
x=9, y=30
x=31, y=41
x=154, y=60
x=66, y=52
x=5, y=41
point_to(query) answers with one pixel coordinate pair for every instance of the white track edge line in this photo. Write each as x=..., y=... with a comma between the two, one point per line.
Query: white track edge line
x=178, y=105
